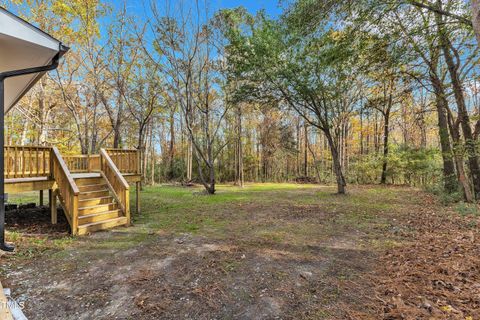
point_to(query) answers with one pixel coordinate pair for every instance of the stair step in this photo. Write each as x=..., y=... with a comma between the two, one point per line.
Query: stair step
x=97, y=208
x=94, y=194
x=99, y=217
x=95, y=201
x=86, y=181
x=106, y=224
x=92, y=187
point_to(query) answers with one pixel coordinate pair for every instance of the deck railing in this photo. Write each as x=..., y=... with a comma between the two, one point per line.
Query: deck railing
x=127, y=161
x=68, y=192
x=26, y=161
x=116, y=182
x=82, y=163
x=34, y=161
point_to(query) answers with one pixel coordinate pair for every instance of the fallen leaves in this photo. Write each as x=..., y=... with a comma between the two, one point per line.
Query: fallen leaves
x=436, y=273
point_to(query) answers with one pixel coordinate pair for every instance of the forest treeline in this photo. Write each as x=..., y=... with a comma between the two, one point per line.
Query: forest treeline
x=366, y=91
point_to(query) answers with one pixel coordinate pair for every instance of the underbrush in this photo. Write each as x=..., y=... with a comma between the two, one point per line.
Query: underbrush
x=467, y=209
x=445, y=197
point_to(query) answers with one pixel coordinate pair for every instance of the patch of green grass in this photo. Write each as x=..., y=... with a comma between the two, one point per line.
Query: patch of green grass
x=467, y=209
x=118, y=241
x=230, y=212
x=271, y=236
x=383, y=244
x=13, y=236
x=62, y=243
x=28, y=246
x=254, y=214
x=230, y=265
x=357, y=219
x=27, y=197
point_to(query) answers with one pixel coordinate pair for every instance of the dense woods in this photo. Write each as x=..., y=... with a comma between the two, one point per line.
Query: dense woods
x=337, y=92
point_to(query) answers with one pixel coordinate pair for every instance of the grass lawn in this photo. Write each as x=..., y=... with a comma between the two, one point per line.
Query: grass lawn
x=28, y=197
x=260, y=252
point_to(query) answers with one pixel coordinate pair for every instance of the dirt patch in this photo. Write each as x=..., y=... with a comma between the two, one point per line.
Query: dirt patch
x=36, y=221
x=195, y=279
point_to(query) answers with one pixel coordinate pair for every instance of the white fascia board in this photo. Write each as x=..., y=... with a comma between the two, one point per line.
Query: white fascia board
x=22, y=46
x=13, y=26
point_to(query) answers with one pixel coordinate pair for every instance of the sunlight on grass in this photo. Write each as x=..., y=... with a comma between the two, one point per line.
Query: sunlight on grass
x=27, y=197
x=283, y=214
x=240, y=211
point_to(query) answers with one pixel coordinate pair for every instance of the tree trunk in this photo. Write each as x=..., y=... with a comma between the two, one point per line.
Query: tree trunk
x=297, y=169
x=141, y=147
x=361, y=128
x=459, y=161
x=211, y=188
x=337, y=167
x=23, y=139
x=442, y=105
x=346, y=155
x=315, y=164
x=476, y=19
x=386, y=132
x=367, y=138
x=462, y=109
x=376, y=144
x=305, y=162
x=189, y=159
x=152, y=156
x=116, y=135
x=171, y=149
x=44, y=110
x=239, y=175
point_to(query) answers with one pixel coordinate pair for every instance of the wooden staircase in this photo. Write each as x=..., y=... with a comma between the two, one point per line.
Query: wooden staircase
x=93, y=190
x=92, y=201
x=97, y=207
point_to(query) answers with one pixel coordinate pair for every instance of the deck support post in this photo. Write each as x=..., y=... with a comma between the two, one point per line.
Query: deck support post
x=137, y=197
x=53, y=206
x=41, y=198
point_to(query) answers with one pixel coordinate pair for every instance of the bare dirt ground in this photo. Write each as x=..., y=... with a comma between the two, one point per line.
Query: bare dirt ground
x=265, y=252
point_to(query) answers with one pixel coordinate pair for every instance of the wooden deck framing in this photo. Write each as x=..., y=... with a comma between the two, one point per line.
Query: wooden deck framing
x=32, y=168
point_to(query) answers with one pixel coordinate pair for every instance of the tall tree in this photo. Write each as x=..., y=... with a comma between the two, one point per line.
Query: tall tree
x=186, y=49
x=313, y=77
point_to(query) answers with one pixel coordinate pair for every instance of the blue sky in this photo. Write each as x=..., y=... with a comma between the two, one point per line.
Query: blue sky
x=272, y=7
x=141, y=8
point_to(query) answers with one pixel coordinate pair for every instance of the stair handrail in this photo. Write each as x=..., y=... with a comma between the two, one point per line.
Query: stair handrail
x=68, y=191
x=116, y=182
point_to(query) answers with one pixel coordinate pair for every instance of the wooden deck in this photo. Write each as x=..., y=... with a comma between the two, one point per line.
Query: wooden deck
x=18, y=185
x=76, y=182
